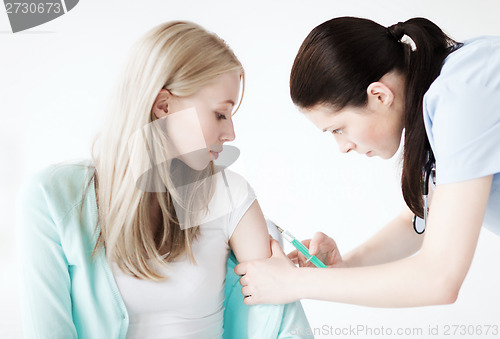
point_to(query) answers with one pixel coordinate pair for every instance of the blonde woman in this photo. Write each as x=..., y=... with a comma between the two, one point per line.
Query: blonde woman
x=134, y=243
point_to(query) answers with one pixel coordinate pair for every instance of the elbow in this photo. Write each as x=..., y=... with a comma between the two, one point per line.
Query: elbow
x=443, y=279
x=446, y=290
x=448, y=296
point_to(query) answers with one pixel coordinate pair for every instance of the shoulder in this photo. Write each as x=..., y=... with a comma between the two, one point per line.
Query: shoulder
x=232, y=198
x=475, y=59
x=234, y=185
x=231, y=178
x=475, y=63
x=469, y=80
x=58, y=187
x=232, y=193
x=461, y=115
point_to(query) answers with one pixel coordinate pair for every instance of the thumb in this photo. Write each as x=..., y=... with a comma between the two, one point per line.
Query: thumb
x=316, y=240
x=276, y=249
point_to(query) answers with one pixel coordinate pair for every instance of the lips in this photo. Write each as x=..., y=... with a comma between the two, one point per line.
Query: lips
x=215, y=150
x=215, y=155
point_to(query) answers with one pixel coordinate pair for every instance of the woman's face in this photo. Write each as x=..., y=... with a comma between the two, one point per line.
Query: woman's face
x=372, y=132
x=374, y=129
x=200, y=124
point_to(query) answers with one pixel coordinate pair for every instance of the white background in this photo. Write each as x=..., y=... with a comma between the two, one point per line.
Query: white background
x=55, y=80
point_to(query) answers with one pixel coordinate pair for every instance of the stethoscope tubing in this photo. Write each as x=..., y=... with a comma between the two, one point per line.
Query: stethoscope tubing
x=427, y=172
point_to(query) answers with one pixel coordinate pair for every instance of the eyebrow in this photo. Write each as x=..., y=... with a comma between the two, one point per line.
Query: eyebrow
x=227, y=102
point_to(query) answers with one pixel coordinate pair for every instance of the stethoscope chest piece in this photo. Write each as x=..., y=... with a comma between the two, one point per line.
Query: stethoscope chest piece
x=418, y=224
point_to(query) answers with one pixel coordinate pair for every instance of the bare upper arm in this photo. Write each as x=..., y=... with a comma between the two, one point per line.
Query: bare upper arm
x=250, y=239
x=455, y=218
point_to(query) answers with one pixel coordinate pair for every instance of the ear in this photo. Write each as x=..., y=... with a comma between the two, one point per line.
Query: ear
x=162, y=102
x=379, y=94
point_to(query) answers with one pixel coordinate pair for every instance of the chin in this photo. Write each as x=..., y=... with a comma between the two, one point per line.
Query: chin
x=390, y=155
x=198, y=164
x=198, y=160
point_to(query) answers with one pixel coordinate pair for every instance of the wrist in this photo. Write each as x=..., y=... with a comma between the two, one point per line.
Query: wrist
x=353, y=258
x=347, y=261
x=297, y=284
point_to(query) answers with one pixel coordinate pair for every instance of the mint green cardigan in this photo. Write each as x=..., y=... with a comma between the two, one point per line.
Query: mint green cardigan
x=66, y=294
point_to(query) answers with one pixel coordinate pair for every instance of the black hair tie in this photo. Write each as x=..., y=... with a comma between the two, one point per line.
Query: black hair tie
x=396, y=31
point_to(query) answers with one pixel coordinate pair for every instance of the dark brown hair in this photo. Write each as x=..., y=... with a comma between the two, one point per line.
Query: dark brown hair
x=341, y=57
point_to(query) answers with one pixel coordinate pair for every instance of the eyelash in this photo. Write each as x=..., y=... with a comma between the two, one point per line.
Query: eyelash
x=337, y=131
x=220, y=116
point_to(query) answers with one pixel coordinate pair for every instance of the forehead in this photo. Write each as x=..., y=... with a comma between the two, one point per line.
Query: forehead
x=321, y=116
x=223, y=87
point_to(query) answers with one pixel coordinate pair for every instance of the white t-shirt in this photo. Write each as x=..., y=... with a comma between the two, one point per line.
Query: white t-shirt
x=462, y=119
x=189, y=303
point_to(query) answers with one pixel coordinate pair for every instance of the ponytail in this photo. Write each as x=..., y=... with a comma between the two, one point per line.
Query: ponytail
x=432, y=46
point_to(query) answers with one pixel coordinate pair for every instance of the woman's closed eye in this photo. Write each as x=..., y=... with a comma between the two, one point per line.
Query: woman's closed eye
x=220, y=116
x=337, y=131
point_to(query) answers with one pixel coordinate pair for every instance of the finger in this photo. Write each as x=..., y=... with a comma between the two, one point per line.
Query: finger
x=245, y=290
x=243, y=282
x=301, y=259
x=295, y=259
x=306, y=242
x=240, y=269
x=293, y=255
x=317, y=239
x=249, y=301
x=304, y=262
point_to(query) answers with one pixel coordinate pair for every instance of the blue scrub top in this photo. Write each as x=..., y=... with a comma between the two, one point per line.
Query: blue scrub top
x=462, y=119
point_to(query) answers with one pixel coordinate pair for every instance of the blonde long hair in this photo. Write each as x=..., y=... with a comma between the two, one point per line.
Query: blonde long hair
x=181, y=57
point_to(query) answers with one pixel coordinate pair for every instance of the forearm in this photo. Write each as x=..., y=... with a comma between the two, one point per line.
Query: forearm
x=405, y=283
x=397, y=240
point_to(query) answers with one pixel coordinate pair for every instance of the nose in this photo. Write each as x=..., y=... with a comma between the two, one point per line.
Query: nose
x=345, y=145
x=228, y=132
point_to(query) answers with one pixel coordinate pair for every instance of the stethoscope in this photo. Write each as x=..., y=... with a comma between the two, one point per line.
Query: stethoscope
x=429, y=171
